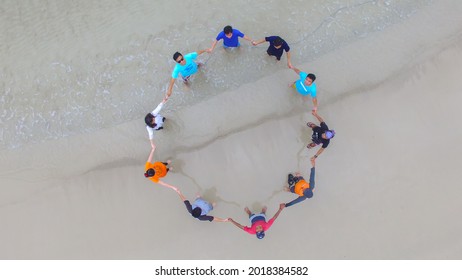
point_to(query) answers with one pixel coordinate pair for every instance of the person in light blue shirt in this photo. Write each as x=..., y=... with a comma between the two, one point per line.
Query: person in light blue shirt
x=185, y=66
x=306, y=86
x=230, y=38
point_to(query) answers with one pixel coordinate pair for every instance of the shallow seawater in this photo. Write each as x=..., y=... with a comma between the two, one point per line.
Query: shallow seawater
x=69, y=68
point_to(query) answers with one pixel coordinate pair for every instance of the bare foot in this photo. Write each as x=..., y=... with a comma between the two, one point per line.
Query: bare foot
x=286, y=189
x=169, y=161
x=246, y=209
x=291, y=84
x=214, y=204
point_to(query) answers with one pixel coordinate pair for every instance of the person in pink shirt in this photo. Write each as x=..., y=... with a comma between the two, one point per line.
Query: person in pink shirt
x=258, y=221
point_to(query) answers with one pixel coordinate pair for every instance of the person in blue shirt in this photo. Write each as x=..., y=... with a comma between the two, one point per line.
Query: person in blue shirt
x=276, y=48
x=306, y=86
x=185, y=66
x=230, y=38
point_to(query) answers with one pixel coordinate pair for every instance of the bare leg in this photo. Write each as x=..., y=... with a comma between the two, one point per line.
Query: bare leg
x=246, y=209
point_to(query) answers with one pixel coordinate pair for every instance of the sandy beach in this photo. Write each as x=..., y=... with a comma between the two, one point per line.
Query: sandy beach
x=386, y=187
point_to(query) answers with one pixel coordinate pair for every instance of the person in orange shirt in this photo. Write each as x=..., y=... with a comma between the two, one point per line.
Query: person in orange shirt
x=298, y=185
x=155, y=171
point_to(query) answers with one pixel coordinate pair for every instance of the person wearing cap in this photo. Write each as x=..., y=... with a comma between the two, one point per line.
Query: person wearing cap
x=298, y=185
x=258, y=221
x=230, y=38
x=200, y=208
x=155, y=171
x=154, y=121
x=306, y=86
x=276, y=48
x=321, y=135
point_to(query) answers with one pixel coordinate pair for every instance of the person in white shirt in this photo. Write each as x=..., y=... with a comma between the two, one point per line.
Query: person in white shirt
x=155, y=121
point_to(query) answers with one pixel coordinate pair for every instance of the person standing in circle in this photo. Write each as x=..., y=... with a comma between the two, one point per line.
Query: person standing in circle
x=185, y=66
x=155, y=171
x=258, y=222
x=298, y=185
x=200, y=208
x=276, y=48
x=321, y=135
x=306, y=86
x=230, y=38
x=154, y=121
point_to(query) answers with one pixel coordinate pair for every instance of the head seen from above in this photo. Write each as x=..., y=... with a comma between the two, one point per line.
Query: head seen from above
x=228, y=30
x=310, y=78
x=178, y=57
x=329, y=134
x=150, y=120
x=277, y=42
x=149, y=173
x=260, y=233
x=196, y=212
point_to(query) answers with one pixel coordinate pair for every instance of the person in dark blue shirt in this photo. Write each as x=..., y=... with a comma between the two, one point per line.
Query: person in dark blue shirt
x=276, y=48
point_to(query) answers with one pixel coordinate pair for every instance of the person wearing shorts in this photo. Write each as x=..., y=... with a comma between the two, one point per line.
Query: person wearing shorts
x=306, y=86
x=298, y=185
x=200, y=208
x=258, y=221
x=185, y=66
x=155, y=171
x=321, y=135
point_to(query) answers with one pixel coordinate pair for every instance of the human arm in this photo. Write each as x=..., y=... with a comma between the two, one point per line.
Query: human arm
x=212, y=47
x=168, y=186
x=170, y=87
x=151, y=154
x=317, y=153
x=180, y=194
x=281, y=206
x=247, y=38
x=295, y=201
x=289, y=64
x=202, y=51
x=315, y=104
x=258, y=42
x=159, y=107
x=216, y=219
x=296, y=70
x=316, y=114
x=236, y=223
x=153, y=145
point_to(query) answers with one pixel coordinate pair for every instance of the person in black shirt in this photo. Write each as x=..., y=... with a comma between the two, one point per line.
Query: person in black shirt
x=321, y=135
x=200, y=208
x=276, y=48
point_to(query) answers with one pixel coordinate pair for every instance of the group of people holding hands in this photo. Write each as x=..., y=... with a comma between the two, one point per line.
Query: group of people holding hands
x=186, y=66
